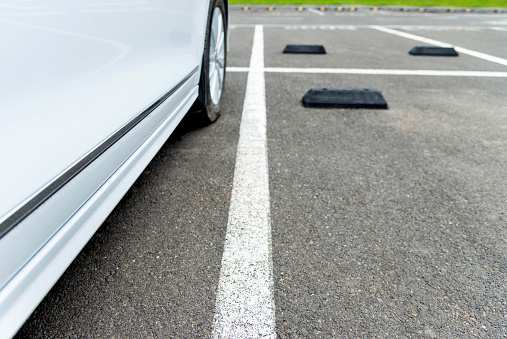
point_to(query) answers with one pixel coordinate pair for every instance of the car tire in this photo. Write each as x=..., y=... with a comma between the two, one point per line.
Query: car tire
x=212, y=80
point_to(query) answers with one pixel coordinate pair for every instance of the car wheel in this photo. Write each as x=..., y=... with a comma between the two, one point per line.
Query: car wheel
x=211, y=84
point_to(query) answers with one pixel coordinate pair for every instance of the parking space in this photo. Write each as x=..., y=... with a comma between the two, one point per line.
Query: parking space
x=487, y=40
x=384, y=223
x=364, y=48
x=377, y=215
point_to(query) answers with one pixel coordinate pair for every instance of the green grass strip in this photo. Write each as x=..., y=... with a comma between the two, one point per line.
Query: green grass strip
x=417, y=3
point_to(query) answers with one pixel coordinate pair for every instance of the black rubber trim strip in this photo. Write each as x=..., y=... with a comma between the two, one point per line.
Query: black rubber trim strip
x=22, y=212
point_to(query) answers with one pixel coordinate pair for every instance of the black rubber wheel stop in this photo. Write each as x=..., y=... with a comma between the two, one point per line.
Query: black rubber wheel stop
x=344, y=98
x=433, y=51
x=304, y=49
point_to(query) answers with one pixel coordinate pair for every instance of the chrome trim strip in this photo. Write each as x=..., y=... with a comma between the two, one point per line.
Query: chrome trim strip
x=32, y=203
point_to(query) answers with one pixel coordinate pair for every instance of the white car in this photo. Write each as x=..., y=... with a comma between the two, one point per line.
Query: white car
x=90, y=90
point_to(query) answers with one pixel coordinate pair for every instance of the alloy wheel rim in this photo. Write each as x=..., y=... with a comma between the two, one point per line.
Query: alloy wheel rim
x=216, y=56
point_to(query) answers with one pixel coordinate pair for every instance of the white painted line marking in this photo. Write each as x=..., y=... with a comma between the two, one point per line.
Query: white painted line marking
x=238, y=69
x=314, y=11
x=355, y=27
x=245, y=306
x=439, y=28
x=375, y=72
x=443, y=44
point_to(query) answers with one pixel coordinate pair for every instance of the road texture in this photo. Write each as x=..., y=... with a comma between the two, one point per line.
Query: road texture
x=384, y=223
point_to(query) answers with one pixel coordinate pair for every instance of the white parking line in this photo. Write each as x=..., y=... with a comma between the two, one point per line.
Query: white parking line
x=356, y=27
x=238, y=69
x=245, y=306
x=442, y=44
x=360, y=71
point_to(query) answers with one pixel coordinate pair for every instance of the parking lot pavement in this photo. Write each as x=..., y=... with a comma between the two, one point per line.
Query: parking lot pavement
x=389, y=223
x=384, y=223
x=364, y=16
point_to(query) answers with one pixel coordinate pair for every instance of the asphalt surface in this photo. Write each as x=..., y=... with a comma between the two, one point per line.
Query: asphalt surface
x=385, y=223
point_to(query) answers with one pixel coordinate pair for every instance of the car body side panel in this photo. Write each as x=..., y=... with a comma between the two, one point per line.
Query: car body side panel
x=38, y=227
x=23, y=292
x=74, y=72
